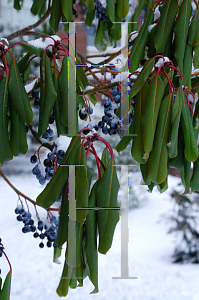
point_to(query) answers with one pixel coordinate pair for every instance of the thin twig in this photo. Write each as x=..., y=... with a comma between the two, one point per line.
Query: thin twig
x=30, y=27
x=21, y=194
x=34, y=133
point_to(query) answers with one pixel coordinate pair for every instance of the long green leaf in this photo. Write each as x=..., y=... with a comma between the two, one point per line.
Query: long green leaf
x=123, y=143
x=175, y=121
x=5, y=292
x=167, y=19
x=191, y=147
x=56, y=13
x=32, y=49
x=122, y=8
x=196, y=36
x=151, y=49
x=63, y=287
x=82, y=184
x=157, y=162
x=48, y=94
x=146, y=70
x=185, y=172
x=62, y=234
x=195, y=176
x=63, y=91
x=181, y=31
x=105, y=160
x=53, y=189
x=188, y=61
x=140, y=43
x=150, y=113
x=67, y=9
x=37, y=6
x=18, y=140
x=196, y=57
x=110, y=10
x=137, y=150
x=193, y=27
x=91, y=238
x=106, y=194
x=145, y=176
x=5, y=150
x=18, y=96
x=61, y=129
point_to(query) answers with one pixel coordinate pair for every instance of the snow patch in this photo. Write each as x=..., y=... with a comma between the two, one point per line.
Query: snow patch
x=156, y=13
x=42, y=44
x=151, y=26
x=30, y=86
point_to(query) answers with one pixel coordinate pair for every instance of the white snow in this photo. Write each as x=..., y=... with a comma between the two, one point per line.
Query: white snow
x=161, y=61
x=35, y=276
x=120, y=77
x=151, y=26
x=40, y=43
x=30, y=86
x=133, y=36
x=156, y=13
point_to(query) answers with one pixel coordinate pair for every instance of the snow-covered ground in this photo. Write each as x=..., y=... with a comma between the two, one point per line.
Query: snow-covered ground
x=35, y=276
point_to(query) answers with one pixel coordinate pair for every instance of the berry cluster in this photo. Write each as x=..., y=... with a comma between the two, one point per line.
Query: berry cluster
x=50, y=163
x=50, y=232
x=100, y=11
x=83, y=113
x=25, y=217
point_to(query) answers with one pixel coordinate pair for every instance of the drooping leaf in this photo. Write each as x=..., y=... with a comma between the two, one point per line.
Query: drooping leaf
x=106, y=194
x=110, y=10
x=151, y=49
x=18, y=140
x=5, y=292
x=150, y=113
x=142, y=77
x=82, y=185
x=196, y=57
x=185, y=172
x=56, y=256
x=123, y=143
x=194, y=183
x=18, y=96
x=63, y=91
x=53, y=189
x=5, y=150
x=137, y=150
x=62, y=234
x=181, y=31
x=196, y=36
x=122, y=8
x=188, y=60
x=105, y=160
x=37, y=6
x=18, y=4
x=22, y=63
x=158, y=158
x=91, y=238
x=192, y=29
x=167, y=19
x=144, y=170
x=48, y=94
x=178, y=161
x=140, y=43
x=62, y=289
x=175, y=121
x=61, y=129
x=191, y=147
x=56, y=13
x=32, y=49
x=67, y=9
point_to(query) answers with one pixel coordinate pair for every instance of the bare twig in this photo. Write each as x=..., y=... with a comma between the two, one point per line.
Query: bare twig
x=30, y=27
x=34, y=133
